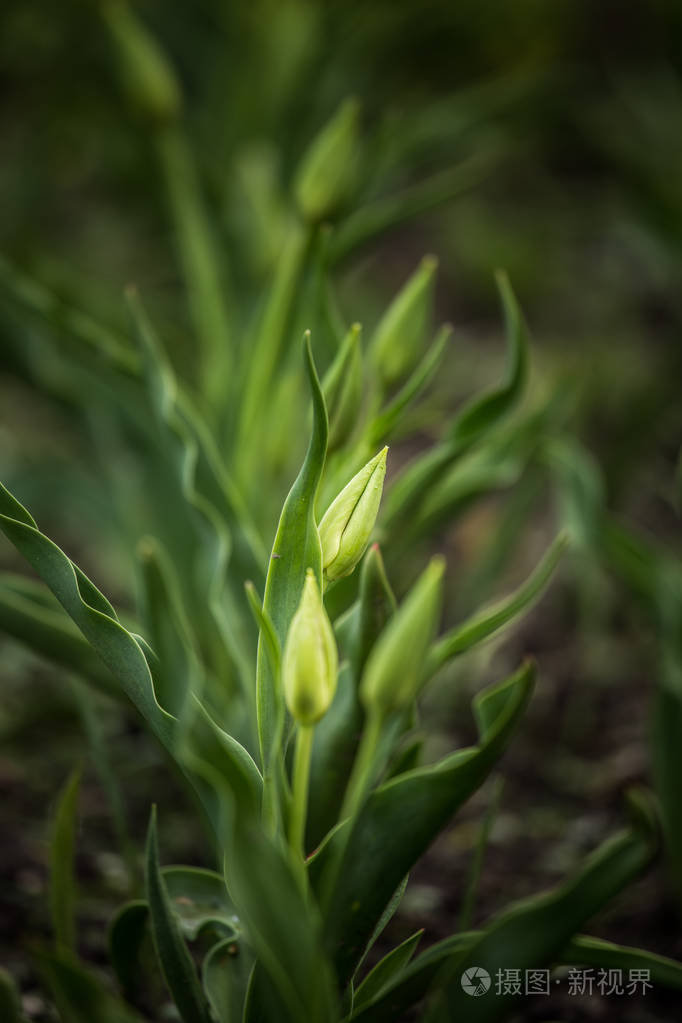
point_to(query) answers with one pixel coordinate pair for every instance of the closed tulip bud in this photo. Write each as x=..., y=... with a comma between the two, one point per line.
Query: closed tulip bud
x=394, y=669
x=310, y=661
x=347, y=525
x=398, y=340
x=146, y=74
x=342, y=387
x=327, y=171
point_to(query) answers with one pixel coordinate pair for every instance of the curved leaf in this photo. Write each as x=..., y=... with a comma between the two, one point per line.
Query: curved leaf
x=385, y=971
x=534, y=932
x=491, y=619
x=226, y=972
x=91, y=612
x=296, y=548
x=43, y=626
x=402, y=817
x=474, y=421
x=174, y=958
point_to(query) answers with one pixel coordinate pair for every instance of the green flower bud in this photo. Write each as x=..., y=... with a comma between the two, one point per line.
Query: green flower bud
x=347, y=524
x=342, y=387
x=146, y=73
x=327, y=170
x=398, y=340
x=394, y=668
x=310, y=660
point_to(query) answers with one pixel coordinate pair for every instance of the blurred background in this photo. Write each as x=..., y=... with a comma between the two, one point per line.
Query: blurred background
x=549, y=138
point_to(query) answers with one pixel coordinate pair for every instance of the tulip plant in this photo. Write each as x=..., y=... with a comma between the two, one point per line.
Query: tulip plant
x=285, y=686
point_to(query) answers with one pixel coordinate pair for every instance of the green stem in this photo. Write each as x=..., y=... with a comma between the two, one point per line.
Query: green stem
x=362, y=774
x=299, y=802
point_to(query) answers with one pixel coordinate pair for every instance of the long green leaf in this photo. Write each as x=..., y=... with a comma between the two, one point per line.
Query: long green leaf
x=401, y=818
x=296, y=548
x=337, y=734
x=43, y=626
x=490, y=620
x=62, y=853
x=474, y=421
x=91, y=612
x=586, y=951
x=534, y=932
x=174, y=958
x=80, y=995
x=199, y=901
x=385, y=971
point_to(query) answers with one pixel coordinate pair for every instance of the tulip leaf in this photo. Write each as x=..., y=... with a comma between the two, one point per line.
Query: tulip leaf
x=80, y=995
x=470, y=426
x=296, y=548
x=199, y=901
x=43, y=626
x=62, y=852
x=127, y=933
x=490, y=620
x=388, y=419
x=534, y=932
x=173, y=955
x=226, y=973
x=338, y=733
x=283, y=929
x=385, y=971
x=586, y=951
x=401, y=818
x=91, y=612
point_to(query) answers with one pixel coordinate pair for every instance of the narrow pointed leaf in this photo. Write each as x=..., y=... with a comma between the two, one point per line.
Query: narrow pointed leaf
x=474, y=421
x=296, y=548
x=490, y=620
x=534, y=932
x=91, y=612
x=338, y=733
x=43, y=626
x=174, y=958
x=383, y=424
x=62, y=854
x=385, y=971
x=80, y=995
x=402, y=817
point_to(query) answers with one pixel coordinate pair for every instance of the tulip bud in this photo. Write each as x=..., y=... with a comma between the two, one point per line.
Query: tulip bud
x=146, y=73
x=347, y=524
x=327, y=170
x=398, y=340
x=342, y=387
x=394, y=668
x=310, y=660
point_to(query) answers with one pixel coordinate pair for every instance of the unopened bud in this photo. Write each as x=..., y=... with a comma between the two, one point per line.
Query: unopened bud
x=347, y=525
x=398, y=340
x=342, y=387
x=327, y=170
x=394, y=669
x=310, y=661
x=146, y=73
